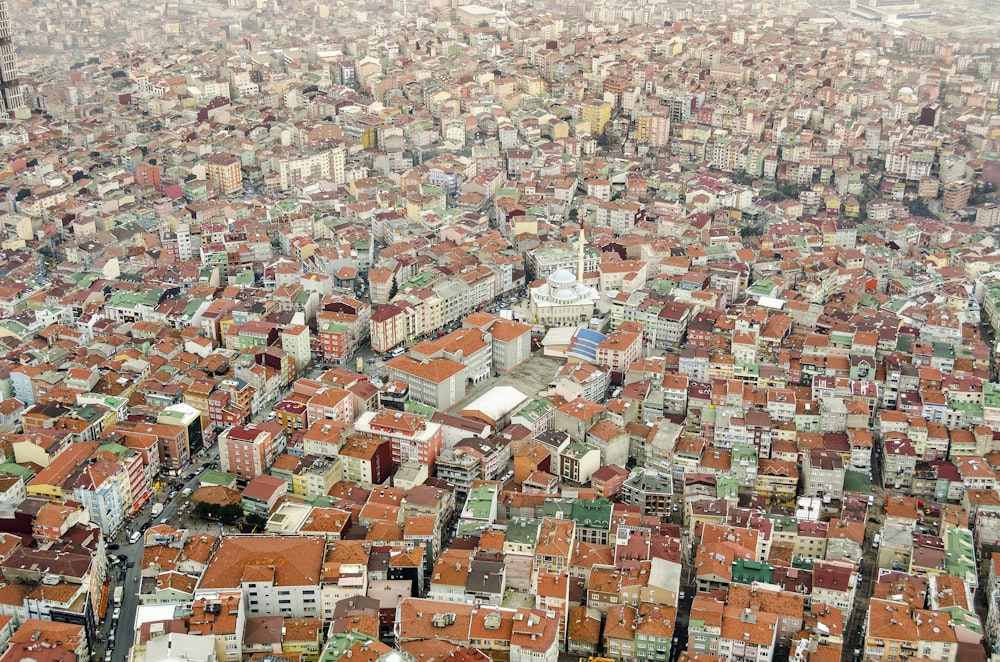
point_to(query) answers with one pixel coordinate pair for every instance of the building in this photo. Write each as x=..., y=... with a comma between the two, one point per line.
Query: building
x=175, y=450
x=824, y=474
x=562, y=301
x=224, y=173
x=412, y=437
x=367, y=460
x=278, y=575
x=249, y=452
x=11, y=96
x=439, y=383
x=748, y=634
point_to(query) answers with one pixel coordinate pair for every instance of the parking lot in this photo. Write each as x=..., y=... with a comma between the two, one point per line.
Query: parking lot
x=530, y=378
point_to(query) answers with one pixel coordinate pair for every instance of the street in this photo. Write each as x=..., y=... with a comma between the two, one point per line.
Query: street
x=132, y=554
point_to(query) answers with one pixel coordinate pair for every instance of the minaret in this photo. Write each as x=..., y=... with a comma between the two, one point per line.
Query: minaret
x=579, y=266
x=11, y=97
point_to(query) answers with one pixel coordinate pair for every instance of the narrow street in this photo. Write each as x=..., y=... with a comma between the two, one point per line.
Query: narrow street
x=120, y=639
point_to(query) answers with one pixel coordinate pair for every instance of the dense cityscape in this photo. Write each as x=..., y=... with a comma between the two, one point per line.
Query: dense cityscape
x=396, y=331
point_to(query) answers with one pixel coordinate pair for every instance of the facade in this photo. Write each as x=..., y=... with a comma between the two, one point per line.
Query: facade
x=412, y=437
x=224, y=173
x=439, y=382
x=561, y=301
x=248, y=452
x=11, y=95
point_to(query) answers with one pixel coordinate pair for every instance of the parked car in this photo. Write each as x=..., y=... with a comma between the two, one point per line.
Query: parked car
x=113, y=546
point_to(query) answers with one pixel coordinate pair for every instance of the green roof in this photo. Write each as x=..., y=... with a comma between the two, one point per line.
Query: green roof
x=577, y=449
x=130, y=299
x=727, y=487
x=742, y=452
x=963, y=618
x=340, y=642
x=855, y=481
x=522, y=530
x=332, y=327
x=480, y=502
x=222, y=478
x=783, y=522
x=420, y=408
x=991, y=394
x=591, y=513
x=747, y=572
x=763, y=287
x=117, y=449
x=960, y=554
x=319, y=500
x=17, y=470
x=535, y=409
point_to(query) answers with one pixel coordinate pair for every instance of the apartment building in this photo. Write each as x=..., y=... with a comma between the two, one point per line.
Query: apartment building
x=439, y=383
x=277, y=575
x=249, y=452
x=412, y=437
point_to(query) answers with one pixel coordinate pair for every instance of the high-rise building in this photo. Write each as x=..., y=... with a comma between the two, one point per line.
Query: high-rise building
x=11, y=97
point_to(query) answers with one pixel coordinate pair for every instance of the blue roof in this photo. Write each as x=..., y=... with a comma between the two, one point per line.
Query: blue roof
x=584, y=344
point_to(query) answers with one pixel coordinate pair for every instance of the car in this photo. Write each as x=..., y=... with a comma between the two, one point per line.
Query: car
x=190, y=475
x=134, y=538
x=874, y=520
x=113, y=546
x=164, y=520
x=107, y=656
x=122, y=557
x=116, y=613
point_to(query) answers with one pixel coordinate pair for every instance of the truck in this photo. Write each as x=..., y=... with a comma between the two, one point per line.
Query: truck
x=157, y=509
x=119, y=592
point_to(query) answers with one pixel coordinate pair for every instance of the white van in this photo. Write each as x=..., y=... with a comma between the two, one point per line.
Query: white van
x=397, y=352
x=132, y=539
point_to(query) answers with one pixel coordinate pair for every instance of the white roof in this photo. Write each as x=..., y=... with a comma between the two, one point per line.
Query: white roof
x=477, y=9
x=497, y=402
x=772, y=302
x=559, y=335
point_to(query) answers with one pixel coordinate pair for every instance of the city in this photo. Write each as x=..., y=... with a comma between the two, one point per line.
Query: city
x=657, y=330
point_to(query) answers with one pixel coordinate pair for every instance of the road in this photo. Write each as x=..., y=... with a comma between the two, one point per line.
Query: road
x=854, y=632
x=125, y=631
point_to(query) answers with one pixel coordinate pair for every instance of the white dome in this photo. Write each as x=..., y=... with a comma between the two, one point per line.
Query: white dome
x=565, y=294
x=562, y=276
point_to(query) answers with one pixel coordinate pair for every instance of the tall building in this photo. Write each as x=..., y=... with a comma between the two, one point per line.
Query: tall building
x=223, y=172
x=11, y=97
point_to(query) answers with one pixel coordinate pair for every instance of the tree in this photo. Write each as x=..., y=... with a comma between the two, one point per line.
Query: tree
x=394, y=289
x=255, y=522
x=231, y=513
x=918, y=207
x=749, y=231
x=204, y=510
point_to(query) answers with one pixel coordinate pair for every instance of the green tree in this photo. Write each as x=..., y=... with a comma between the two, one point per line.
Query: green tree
x=394, y=289
x=256, y=522
x=231, y=514
x=204, y=510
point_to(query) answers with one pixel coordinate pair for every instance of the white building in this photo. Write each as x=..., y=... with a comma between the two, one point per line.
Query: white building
x=562, y=301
